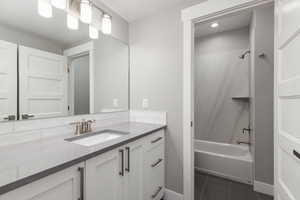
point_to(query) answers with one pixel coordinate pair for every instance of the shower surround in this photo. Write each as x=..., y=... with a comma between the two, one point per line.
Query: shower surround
x=220, y=76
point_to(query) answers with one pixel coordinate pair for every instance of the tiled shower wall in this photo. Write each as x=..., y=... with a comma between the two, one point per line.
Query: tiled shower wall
x=220, y=75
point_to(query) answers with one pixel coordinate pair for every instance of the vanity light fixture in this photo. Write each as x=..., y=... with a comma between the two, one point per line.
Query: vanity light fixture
x=45, y=8
x=106, y=24
x=214, y=25
x=60, y=4
x=72, y=22
x=85, y=11
x=93, y=32
x=86, y=15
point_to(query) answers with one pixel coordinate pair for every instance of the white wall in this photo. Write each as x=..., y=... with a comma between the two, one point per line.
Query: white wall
x=156, y=50
x=220, y=75
x=28, y=39
x=111, y=74
x=263, y=86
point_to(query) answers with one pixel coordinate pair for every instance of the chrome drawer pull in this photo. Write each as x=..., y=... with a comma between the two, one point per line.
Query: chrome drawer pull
x=156, y=140
x=156, y=163
x=128, y=159
x=121, y=172
x=156, y=193
x=81, y=171
x=296, y=154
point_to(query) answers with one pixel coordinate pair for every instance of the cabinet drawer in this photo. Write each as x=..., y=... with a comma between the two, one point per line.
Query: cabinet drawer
x=155, y=139
x=154, y=161
x=156, y=181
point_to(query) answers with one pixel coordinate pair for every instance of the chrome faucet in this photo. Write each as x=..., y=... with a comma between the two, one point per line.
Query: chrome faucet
x=82, y=127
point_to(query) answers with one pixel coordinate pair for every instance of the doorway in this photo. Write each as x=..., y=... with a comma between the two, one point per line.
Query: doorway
x=80, y=70
x=208, y=12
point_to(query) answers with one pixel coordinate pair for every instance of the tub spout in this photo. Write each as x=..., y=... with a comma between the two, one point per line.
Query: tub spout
x=240, y=142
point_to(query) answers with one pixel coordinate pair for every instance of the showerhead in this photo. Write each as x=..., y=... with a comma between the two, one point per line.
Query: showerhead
x=244, y=54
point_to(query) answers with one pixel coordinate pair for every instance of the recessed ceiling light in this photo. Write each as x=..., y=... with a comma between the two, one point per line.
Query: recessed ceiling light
x=214, y=25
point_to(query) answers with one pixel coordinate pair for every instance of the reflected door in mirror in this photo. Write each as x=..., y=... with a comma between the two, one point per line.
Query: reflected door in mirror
x=8, y=81
x=43, y=84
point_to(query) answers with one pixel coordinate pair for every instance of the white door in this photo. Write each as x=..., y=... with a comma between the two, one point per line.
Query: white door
x=43, y=84
x=287, y=99
x=64, y=185
x=105, y=176
x=8, y=80
x=134, y=171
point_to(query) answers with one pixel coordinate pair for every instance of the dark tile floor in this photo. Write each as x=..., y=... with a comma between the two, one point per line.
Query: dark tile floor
x=213, y=188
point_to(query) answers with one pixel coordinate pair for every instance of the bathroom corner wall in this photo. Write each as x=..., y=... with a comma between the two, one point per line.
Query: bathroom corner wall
x=156, y=73
x=220, y=75
x=262, y=73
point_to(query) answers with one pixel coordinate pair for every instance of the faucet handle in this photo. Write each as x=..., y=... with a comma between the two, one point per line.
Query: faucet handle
x=247, y=129
x=77, y=127
x=89, y=125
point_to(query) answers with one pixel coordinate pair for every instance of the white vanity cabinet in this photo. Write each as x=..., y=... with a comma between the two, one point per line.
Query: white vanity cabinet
x=134, y=171
x=66, y=184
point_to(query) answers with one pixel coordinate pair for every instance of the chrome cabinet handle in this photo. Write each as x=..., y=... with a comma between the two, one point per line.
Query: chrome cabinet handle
x=10, y=118
x=81, y=171
x=156, y=163
x=128, y=159
x=296, y=154
x=156, y=193
x=156, y=140
x=121, y=172
x=27, y=116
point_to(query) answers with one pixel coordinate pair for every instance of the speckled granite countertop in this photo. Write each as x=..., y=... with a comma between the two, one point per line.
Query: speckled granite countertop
x=28, y=162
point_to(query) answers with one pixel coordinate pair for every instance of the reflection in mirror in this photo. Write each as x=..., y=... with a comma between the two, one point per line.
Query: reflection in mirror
x=81, y=83
x=48, y=69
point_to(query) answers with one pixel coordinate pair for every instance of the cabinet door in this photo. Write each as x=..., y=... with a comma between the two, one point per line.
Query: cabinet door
x=43, y=84
x=8, y=80
x=62, y=185
x=104, y=176
x=134, y=171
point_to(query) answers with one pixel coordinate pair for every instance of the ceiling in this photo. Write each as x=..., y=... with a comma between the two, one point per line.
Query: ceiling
x=22, y=15
x=226, y=23
x=132, y=10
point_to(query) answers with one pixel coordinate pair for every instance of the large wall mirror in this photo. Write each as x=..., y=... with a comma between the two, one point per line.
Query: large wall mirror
x=48, y=70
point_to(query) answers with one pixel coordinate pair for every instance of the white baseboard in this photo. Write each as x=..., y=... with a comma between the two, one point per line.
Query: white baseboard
x=171, y=195
x=263, y=188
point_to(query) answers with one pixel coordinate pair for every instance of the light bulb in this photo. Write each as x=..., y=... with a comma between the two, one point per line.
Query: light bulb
x=106, y=24
x=72, y=22
x=85, y=11
x=214, y=25
x=61, y=4
x=45, y=8
x=94, y=34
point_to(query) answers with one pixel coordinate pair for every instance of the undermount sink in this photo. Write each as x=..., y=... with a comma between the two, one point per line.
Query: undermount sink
x=92, y=139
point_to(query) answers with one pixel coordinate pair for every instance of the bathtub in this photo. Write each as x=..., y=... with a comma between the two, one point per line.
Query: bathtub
x=228, y=161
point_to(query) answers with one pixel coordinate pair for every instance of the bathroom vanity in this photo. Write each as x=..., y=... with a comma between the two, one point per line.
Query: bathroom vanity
x=130, y=166
x=54, y=75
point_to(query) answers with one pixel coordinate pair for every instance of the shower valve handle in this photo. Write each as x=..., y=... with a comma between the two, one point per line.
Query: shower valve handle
x=246, y=129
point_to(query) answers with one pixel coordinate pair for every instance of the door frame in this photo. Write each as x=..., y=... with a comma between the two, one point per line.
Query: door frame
x=74, y=52
x=202, y=12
